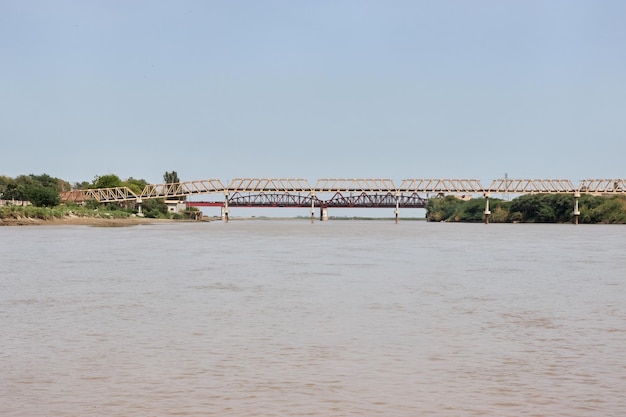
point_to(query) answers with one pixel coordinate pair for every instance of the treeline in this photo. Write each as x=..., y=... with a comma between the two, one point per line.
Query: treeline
x=530, y=208
x=44, y=191
x=41, y=190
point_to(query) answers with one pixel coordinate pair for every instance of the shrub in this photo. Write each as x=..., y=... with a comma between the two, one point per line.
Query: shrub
x=43, y=196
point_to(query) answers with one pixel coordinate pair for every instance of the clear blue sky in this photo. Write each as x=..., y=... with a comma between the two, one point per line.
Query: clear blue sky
x=313, y=89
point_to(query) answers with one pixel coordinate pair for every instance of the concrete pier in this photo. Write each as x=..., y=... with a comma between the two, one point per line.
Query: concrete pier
x=576, y=210
x=487, y=211
x=323, y=214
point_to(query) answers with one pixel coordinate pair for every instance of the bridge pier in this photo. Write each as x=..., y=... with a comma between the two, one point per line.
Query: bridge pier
x=139, y=203
x=225, y=209
x=487, y=211
x=312, y=208
x=576, y=210
x=323, y=214
x=397, y=210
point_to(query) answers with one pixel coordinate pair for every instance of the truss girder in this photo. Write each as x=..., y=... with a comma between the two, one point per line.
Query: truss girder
x=73, y=196
x=286, y=185
x=441, y=186
x=527, y=186
x=375, y=200
x=270, y=200
x=180, y=189
x=602, y=186
x=109, y=195
x=412, y=201
x=371, y=185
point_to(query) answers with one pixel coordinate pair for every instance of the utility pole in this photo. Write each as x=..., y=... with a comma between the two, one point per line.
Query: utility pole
x=506, y=185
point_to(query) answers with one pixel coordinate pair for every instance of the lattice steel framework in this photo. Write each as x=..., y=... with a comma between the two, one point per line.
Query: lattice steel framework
x=441, y=186
x=605, y=186
x=270, y=200
x=74, y=196
x=525, y=186
x=370, y=185
x=102, y=195
x=389, y=200
x=287, y=185
x=286, y=191
x=181, y=189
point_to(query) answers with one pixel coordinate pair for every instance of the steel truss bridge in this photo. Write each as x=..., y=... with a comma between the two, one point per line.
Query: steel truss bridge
x=335, y=192
x=277, y=192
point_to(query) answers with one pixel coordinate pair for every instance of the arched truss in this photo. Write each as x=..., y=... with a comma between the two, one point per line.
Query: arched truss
x=375, y=200
x=264, y=199
x=337, y=200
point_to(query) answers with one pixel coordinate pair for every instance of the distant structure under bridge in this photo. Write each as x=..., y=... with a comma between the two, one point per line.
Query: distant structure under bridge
x=341, y=193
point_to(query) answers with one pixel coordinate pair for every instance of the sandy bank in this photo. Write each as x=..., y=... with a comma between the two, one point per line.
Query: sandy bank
x=85, y=221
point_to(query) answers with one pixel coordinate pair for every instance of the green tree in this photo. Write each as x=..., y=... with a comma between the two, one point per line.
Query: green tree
x=171, y=177
x=440, y=209
x=155, y=208
x=611, y=210
x=43, y=196
x=17, y=190
x=6, y=184
x=106, y=181
x=46, y=180
x=81, y=185
x=136, y=185
x=471, y=211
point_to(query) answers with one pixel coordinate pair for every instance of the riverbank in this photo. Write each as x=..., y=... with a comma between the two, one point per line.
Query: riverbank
x=85, y=221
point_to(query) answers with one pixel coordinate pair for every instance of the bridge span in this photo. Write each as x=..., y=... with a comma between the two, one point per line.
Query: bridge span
x=341, y=192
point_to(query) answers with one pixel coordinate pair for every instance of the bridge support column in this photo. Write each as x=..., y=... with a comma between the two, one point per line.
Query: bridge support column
x=397, y=211
x=487, y=211
x=312, y=209
x=225, y=209
x=576, y=210
x=323, y=214
x=139, y=203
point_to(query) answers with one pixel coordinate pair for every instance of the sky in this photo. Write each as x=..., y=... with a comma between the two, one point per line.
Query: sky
x=313, y=89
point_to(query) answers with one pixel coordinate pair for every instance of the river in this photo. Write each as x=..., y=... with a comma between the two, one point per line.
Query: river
x=289, y=318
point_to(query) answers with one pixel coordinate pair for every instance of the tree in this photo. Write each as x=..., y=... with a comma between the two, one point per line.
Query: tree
x=46, y=180
x=170, y=177
x=83, y=185
x=135, y=185
x=106, y=181
x=6, y=185
x=40, y=196
x=17, y=190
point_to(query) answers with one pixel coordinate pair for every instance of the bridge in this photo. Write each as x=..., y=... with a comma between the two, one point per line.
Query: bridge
x=341, y=193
